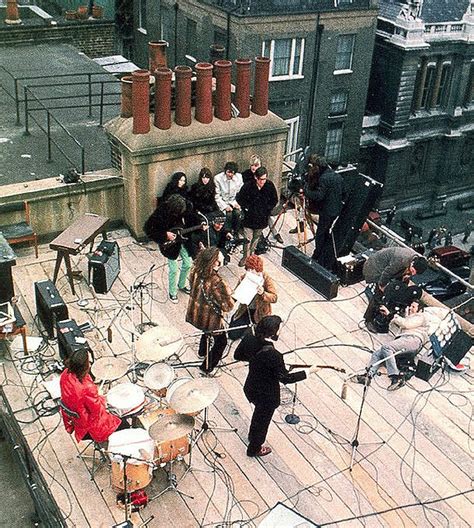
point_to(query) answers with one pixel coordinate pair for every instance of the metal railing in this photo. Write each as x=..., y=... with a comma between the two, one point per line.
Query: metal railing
x=47, y=131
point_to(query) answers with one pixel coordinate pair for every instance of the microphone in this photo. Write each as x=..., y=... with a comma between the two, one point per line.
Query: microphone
x=109, y=334
x=344, y=391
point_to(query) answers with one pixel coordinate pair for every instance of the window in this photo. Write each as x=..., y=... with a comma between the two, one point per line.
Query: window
x=286, y=57
x=292, y=138
x=342, y=2
x=338, y=104
x=344, y=52
x=191, y=29
x=469, y=94
x=428, y=84
x=334, y=142
x=443, y=85
x=142, y=16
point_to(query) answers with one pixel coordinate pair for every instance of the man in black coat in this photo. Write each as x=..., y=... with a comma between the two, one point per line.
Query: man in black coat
x=257, y=198
x=262, y=386
x=329, y=197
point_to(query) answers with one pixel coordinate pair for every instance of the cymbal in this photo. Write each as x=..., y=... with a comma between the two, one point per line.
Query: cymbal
x=110, y=368
x=171, y=427
x=158, y=376
x=194, y=396
x=158, y=343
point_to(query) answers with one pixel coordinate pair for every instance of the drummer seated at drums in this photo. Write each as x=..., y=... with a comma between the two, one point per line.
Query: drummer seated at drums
x=80, y=395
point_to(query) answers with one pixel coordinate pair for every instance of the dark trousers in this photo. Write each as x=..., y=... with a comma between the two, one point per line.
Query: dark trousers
x=324, y=249
x=261, y=418
x=212, y=346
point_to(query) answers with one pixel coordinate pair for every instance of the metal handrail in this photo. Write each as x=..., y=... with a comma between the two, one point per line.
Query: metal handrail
x=51, y=141
x=389, y=234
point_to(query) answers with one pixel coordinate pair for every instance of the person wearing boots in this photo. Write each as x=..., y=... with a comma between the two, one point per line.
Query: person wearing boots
x=257, y=198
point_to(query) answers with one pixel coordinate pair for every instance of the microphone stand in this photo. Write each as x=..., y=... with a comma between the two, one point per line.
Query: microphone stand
x=293, y=418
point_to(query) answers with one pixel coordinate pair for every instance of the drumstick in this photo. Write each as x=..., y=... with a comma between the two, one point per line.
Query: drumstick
x=101, y=386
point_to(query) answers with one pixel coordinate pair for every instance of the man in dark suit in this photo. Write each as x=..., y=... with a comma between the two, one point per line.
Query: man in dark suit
x=329, y=196
x=262, y=386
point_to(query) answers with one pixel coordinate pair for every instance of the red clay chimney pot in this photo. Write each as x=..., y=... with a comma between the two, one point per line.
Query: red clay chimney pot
x=223, y=71
x=260, y=90
x=163, y=98
x=182, y=115
x=157, y=54
x=242, y=91
x=141, y=101
x=203, y=112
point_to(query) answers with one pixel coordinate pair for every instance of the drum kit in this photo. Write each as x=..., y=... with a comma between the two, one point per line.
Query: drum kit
x=163, y=413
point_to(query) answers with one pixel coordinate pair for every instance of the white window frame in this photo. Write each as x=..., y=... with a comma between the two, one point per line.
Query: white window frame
x=336, y=159
x=288, y=76
x=292, y=136
x=338, y=3
x=346, y=101
x=141, y=27
x=345, y=70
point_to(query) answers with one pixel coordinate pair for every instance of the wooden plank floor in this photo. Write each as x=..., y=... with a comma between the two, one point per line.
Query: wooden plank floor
x=415, y=443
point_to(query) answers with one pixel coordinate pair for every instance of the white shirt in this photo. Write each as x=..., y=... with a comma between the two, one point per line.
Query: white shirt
x=226, y=190
x=421, y=324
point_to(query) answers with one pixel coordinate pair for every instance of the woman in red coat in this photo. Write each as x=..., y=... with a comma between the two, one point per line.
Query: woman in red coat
x=80, y=395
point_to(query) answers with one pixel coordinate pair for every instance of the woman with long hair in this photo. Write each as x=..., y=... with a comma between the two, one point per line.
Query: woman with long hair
x=203, y=193
x=176, y=185
x=209, y=300
x=80, y=395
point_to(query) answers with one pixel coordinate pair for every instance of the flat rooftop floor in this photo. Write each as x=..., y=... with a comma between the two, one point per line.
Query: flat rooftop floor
x=413, y=466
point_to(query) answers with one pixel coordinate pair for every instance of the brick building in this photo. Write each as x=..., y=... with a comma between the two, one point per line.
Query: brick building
x=418, y=134
x=320, y=61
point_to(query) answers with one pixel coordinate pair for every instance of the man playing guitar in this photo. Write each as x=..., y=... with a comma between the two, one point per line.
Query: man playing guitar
x=167, y=227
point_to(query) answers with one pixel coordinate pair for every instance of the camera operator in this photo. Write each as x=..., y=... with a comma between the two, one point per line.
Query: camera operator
x=308, y=207
x=216, y=236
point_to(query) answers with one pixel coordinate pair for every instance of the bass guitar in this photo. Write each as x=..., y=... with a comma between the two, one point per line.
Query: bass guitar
x=166, y=247
x=332, y=367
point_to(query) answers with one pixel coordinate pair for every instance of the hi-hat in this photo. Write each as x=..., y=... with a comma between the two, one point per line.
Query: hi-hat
x=158, y=376
x=194, y=396
x=110, y=368
x=171, y=427
x=158, y=343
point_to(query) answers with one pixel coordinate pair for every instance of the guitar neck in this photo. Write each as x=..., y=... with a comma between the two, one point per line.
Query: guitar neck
x=189, y=229
x=302, y=365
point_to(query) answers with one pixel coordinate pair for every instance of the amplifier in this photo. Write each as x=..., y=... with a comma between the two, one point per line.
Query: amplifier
x=104, y=266
x=70, y=338
x=457, y=347
x=427, y=365
x=309, y=271
x=349, y=268
x=50, y=306
x=451, y=257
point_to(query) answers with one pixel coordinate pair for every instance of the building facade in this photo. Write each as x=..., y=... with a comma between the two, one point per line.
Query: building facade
x=418, y=134
x=320, y=52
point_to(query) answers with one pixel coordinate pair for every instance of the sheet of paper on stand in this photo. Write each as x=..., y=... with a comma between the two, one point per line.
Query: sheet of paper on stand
x=247, y=289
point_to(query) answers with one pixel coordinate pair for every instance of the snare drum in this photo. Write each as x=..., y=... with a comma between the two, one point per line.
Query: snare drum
x=157, y=378
x=125, y=399
x=133, y=443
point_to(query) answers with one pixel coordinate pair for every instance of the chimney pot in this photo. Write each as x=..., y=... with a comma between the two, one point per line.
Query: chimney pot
x=182, y=115
x=203, y=112
x=223, y=71
x=163, y=98
x=260, y=90
x=157, y=54
x=242, y=91
x=126, y=98
x=141, y=101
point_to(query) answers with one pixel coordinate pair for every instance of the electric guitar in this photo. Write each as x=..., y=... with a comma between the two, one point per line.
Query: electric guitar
x=337, y=369
x=166, y=247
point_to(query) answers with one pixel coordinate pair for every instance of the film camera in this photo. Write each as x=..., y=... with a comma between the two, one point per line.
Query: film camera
x=296, y=179
x=230, y=246
x=396, y=297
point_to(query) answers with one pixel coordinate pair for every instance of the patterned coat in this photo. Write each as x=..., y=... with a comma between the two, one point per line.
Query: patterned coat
x=263, y=303
x=208, y=302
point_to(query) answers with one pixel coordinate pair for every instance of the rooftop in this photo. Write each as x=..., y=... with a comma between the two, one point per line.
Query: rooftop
x=413, y=466
x=432, y=11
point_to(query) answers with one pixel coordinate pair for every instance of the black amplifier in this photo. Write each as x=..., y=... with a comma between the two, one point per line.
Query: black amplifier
x=427, y=365
x=7, y=260
x=50, y=306
x=104, y=266
x=309, y=271
x=70, y=338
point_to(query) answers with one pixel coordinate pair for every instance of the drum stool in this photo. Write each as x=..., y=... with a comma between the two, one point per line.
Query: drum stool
x=98, y=457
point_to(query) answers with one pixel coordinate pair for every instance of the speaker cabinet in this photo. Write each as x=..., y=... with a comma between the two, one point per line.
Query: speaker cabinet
x=362, y=193
x=104, y=266
x=50, y=306
x=310, y=272
x=70, y=338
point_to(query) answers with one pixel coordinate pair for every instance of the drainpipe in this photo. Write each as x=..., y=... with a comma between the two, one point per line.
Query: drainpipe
x=314, y=80
x=203, y=112
x=176, y=9
x=141, y=101
x=182, y=114
x=157, y=54
x=261, y=85
x=163, y=98
x=223, y=70
x=126, y=97
x=242, y=90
